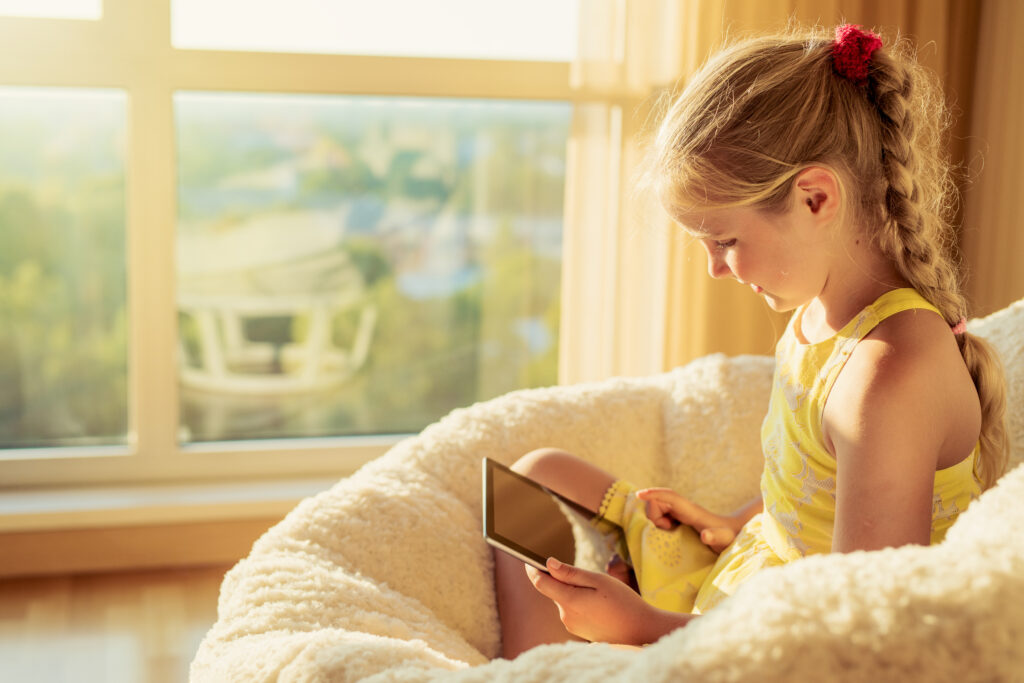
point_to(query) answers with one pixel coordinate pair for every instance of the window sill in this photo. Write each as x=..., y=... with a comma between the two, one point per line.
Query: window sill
x=67, y=531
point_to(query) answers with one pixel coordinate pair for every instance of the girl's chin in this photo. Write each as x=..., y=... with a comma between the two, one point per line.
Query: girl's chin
x=776, y=304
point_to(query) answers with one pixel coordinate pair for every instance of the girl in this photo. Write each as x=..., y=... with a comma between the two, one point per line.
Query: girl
x=810, y=169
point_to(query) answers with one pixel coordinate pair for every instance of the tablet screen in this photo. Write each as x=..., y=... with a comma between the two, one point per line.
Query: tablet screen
x=527, y=520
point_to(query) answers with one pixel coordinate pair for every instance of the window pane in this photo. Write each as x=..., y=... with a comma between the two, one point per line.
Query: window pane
x=63, y=333
x=355, y=265
x=56, y=9
x=543, y=30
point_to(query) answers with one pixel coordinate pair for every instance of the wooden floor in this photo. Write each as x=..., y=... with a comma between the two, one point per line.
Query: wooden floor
x=139, y=627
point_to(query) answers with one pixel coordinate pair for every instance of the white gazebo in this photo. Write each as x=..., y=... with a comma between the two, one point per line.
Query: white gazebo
x=288, y=264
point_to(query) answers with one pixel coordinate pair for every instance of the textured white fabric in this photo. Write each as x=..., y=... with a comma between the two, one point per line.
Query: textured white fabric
x=386, y=576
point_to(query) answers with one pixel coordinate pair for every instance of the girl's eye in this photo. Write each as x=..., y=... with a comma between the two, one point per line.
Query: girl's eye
x=725, y=244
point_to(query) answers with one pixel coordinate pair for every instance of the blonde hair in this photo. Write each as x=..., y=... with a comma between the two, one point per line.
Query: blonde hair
x=764, y=109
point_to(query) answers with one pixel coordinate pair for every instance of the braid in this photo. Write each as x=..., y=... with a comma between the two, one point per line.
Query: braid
x=915, y=234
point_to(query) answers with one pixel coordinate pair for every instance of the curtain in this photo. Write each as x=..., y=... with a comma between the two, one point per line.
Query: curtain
x=993, y=234
x=614, y=267
x=637, y=298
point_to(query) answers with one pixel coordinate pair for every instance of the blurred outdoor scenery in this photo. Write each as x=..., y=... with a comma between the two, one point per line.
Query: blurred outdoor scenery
x=346, y=265
x=63, y=325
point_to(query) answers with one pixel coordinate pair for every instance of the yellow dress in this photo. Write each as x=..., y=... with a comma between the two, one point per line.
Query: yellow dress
x=675, y=571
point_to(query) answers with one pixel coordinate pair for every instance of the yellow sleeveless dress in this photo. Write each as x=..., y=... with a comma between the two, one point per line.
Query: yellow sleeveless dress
x=675, y=571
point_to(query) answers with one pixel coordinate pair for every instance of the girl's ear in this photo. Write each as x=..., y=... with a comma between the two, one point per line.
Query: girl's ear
x=815, y=200
x=818, y=189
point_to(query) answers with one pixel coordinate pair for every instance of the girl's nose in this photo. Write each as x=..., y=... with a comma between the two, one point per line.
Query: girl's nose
x=717, y=267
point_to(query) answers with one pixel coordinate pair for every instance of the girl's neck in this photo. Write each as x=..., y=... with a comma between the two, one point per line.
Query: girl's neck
x=853, y=283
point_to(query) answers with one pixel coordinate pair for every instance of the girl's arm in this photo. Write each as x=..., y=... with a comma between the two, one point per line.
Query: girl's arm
x=902, y=407
x=745, y=513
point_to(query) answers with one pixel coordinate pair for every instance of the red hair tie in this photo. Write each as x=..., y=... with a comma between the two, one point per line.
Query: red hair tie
x=960, y=327
x=851, y=52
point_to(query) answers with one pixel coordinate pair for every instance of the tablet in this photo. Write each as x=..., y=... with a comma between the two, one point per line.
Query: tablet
x=527, y=520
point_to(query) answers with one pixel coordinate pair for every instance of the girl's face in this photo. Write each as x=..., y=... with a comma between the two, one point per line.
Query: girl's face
x=782, y=257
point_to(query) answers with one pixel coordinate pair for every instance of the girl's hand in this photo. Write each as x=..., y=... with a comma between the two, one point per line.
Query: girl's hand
x=598, y=607
x=666, y=509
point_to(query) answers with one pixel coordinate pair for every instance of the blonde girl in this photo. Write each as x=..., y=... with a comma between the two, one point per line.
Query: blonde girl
x=809, y=166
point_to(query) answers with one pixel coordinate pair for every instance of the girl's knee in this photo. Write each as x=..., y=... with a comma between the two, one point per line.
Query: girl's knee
x=542, y=462
x=567, y=474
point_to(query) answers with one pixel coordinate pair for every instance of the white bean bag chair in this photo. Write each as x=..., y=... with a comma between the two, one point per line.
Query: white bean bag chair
x=386, y=576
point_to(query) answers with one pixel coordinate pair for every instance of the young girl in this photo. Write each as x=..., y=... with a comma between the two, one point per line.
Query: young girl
x=810, y=169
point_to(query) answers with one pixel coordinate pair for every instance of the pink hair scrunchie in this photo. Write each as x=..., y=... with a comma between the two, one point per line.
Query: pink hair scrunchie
x=851, y=53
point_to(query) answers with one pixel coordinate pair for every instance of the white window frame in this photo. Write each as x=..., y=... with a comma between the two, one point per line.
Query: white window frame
x=130, y=49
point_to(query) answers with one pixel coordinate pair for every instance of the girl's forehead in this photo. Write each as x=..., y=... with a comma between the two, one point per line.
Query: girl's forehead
x=712, y=222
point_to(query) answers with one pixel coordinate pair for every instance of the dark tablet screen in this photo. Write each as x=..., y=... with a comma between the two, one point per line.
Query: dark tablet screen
x=528, y=520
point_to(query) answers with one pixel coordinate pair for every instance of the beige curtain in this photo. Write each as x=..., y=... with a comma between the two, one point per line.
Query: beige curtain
x=637, y=297
x=993, y=232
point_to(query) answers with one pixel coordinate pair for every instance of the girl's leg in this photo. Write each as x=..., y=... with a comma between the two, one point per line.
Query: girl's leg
x=528, y=618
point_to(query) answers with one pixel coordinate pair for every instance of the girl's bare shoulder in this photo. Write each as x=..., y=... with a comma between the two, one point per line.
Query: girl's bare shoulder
x=908, y=374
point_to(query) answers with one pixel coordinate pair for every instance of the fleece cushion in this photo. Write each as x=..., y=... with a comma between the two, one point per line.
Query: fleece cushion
x=386, y=576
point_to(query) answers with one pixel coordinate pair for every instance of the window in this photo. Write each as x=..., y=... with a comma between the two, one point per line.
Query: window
x=63, y=343
x=353, y=265
x=225, y=253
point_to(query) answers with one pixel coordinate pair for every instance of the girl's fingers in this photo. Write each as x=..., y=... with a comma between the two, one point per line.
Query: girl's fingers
x=657, y=507
x=666, y=498
x=657, y=513
x=560, y=584
x=543, y=582
x=662, y=503
x=566, y=573
x=657, y=493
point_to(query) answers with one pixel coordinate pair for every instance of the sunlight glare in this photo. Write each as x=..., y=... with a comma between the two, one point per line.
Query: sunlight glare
x=52, y=9
x=543, y=30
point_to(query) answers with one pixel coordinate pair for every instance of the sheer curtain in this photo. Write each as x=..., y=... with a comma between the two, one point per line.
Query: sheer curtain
x=615, y=268
x=636, y=295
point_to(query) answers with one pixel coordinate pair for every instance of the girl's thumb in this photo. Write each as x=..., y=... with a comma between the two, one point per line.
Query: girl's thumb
x=715, y=538
x=566, y=573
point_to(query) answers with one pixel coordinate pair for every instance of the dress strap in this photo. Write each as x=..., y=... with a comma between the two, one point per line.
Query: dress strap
x=899, y=300
x=834, y=359
x=885, y=306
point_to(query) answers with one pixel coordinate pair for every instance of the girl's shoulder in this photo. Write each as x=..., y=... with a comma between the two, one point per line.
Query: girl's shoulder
x=902, y=408
x=907, y=374
x=916, y=336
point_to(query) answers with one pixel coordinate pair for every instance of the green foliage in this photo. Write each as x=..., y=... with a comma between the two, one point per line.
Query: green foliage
x=66, y=375
x=63, y=370
x=371, y=261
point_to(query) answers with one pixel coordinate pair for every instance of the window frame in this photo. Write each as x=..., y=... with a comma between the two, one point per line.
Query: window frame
x=130, y=49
